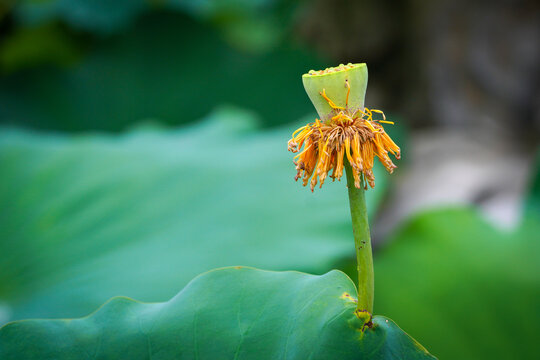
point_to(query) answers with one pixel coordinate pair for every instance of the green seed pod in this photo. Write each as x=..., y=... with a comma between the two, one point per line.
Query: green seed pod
x=333, y=82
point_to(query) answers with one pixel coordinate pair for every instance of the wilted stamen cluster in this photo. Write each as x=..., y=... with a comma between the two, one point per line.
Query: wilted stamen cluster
x=354, y=134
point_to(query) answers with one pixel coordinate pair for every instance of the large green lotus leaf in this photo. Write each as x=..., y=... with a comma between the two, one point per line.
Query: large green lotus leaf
x=231, y=313
x=89, y=217
x=464, y=289
x=166, y=66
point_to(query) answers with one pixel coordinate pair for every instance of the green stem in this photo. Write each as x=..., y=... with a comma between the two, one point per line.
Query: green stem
x=362, y=243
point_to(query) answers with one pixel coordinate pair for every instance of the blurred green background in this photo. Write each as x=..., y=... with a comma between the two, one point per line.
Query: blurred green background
x=144, y=142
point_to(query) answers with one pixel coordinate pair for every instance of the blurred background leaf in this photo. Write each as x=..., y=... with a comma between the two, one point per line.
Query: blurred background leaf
x=468, y=290
x=532, y=204
x=460, y=285
x=94, y=216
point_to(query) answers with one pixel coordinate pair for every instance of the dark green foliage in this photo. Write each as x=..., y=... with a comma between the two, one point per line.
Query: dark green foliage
x=166, y=67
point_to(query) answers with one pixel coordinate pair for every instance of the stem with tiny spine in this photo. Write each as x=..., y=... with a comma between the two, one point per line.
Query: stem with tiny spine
x=362, y=243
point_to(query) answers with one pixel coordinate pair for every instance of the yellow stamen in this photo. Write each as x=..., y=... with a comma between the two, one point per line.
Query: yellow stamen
x=305, y=149
x=330, y=102
x=348, y=152
x=378, y=111
x=299, y=130
x=318, y=124
x=368, y=123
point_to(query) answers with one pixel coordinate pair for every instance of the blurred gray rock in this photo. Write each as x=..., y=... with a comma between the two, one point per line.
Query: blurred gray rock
x=449, y=167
